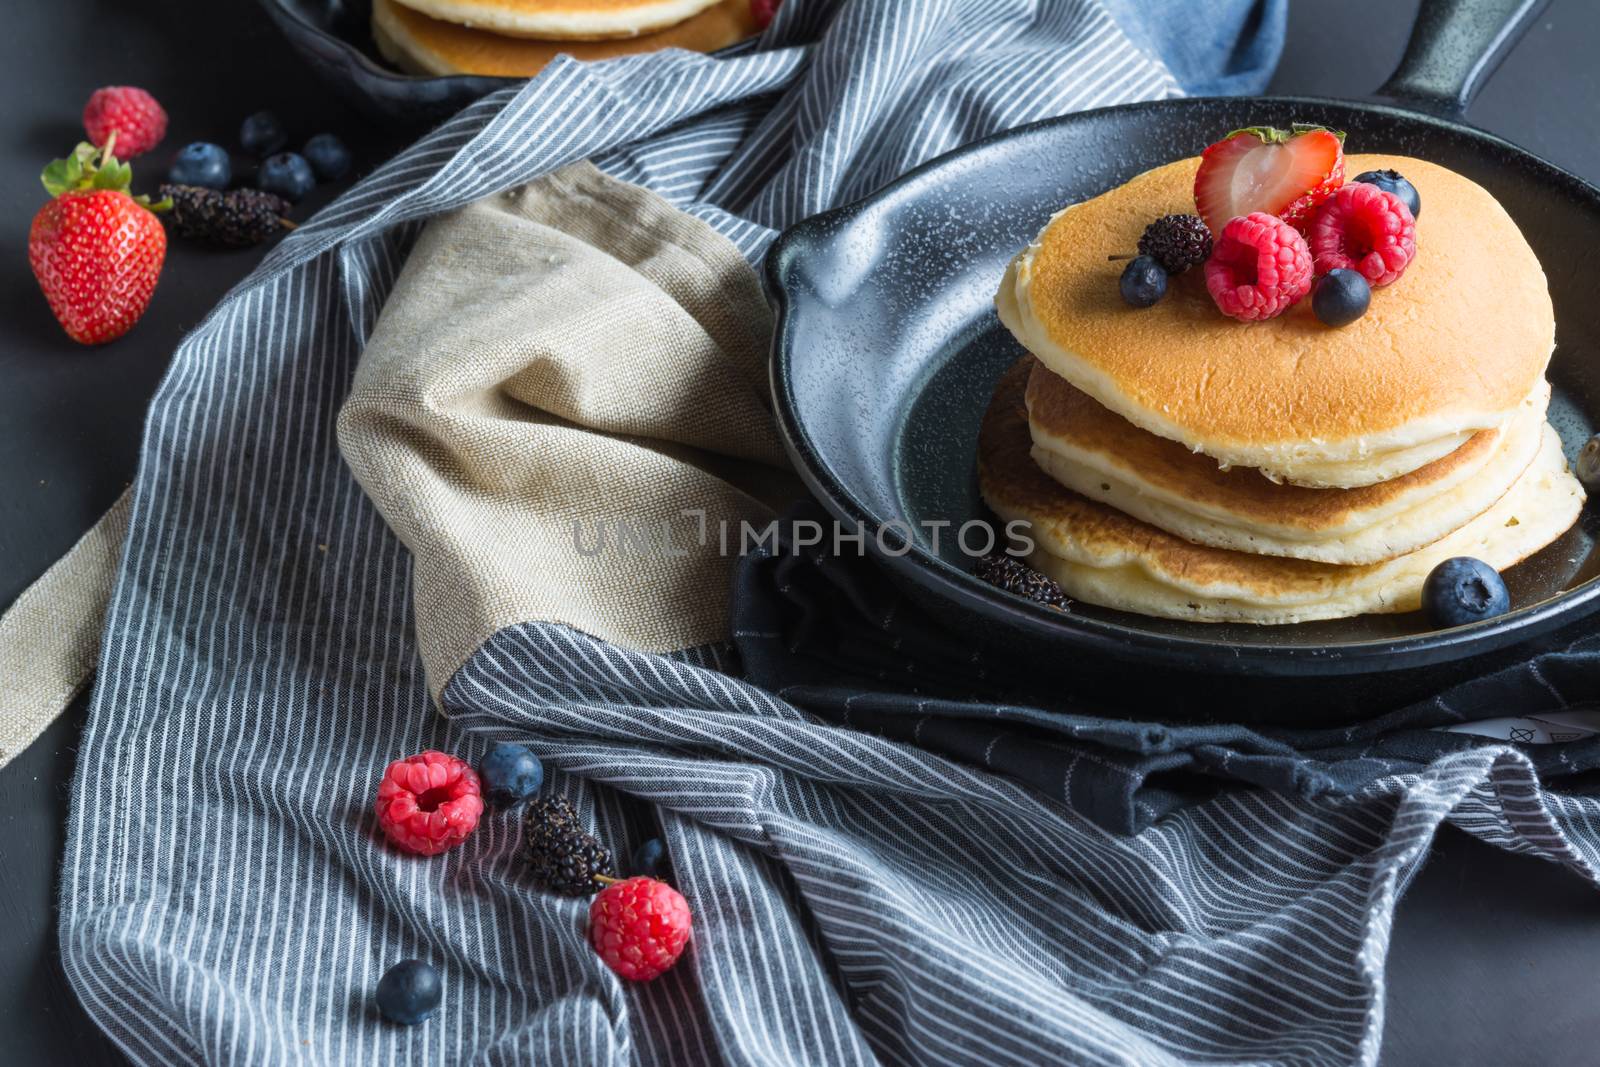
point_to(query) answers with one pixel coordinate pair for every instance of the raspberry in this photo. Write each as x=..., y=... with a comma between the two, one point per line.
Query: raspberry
x=763, y=11
x=639, y=927
x=1259, y=267
x=132, y=114
x=429, y=802
x=1365, y=229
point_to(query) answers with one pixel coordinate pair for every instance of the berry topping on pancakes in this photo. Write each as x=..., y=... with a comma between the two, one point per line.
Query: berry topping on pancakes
x=1364, y=229
x=1143, y=282
x=1259, y=267
x=1286, y=173
x=1340, y=297
x=1178, y=242
x=1392, y=181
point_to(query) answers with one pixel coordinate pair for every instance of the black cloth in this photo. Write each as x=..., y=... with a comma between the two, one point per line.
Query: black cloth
x=835, y=636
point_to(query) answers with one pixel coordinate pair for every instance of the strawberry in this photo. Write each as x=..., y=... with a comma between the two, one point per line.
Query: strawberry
x=1286, y=173
x=96, y=251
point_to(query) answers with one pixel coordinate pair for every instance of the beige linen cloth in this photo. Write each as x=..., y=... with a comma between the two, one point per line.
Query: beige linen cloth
x=50, y=636
x=562, y=405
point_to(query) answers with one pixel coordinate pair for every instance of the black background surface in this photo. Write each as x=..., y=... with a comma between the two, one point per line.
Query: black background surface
x=1493, y=958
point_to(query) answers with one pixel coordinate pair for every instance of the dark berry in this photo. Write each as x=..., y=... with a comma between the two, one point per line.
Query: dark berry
x=328, y=156
x=1143, y=282
x=409, y=992
x=562, y=856
x=286, y=174
x=1177, y=242
x=1340, y=297
x=650, y=860
x=1390, y=181
x=1463, y=590
x=262, y=134
x=510, y=774
x=235, y=219
x=202, y=164
x=1015, y=576
x=1588, y=466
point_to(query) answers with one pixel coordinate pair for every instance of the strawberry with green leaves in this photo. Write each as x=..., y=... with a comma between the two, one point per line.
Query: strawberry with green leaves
x=96, y=250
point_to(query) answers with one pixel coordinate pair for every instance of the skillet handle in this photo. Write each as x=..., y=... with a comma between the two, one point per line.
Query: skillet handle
x=1455, y=45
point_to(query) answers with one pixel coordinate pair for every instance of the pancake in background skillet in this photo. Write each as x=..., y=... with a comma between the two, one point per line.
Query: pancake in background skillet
x=564, y=20
x=423, y=45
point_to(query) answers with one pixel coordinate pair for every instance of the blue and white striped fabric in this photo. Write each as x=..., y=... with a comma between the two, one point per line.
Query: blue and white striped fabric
x=225, y=898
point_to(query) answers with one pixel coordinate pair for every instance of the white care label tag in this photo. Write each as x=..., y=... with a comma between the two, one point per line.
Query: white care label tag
x=1550, y=729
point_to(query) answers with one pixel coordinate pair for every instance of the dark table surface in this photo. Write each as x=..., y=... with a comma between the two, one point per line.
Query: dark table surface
x=1493, y=955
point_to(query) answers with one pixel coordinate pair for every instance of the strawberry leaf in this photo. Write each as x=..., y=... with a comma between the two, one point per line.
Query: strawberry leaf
x=1264, y=134
x=87, y=167
x=1273, y=135
x=1298, y=128
x=55, y=177
x=113, y=175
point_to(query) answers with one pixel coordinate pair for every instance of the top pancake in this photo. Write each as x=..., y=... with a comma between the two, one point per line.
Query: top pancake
x=1451, y=348
x=563, y=20
x=429, y=46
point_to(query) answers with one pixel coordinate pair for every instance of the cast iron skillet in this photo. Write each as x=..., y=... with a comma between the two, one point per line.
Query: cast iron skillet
x=335, y=37
x=887, y=349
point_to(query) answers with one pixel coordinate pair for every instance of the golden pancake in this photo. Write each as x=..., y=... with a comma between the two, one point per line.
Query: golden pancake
x=564, y=20
x=1453, y=347
x=1104, y=557
x=428, y=46
x=1099, y=454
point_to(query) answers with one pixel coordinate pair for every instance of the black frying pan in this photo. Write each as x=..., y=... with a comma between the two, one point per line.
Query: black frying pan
x=887, y=349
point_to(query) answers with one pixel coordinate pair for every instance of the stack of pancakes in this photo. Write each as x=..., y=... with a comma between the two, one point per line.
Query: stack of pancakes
x=516, y=38
x=1175, y=462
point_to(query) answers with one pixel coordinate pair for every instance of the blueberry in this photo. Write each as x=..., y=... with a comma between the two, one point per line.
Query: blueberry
x=328, y=156
x=1340, y=297
x=262, y=134
x=1463, y=590
x=511, y=774
x=650, y=859
x=409, y=992
x=202, y=164
x=1143, y=281
x=1390, y=181
x=287, y=174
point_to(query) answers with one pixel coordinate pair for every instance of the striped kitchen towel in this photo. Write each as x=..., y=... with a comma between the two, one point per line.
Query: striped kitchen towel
x=858, y=900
